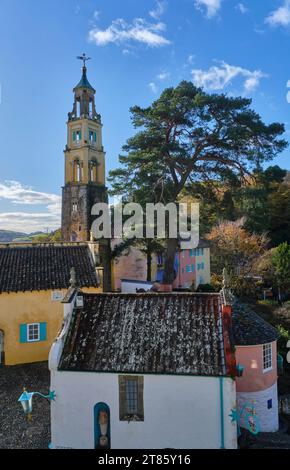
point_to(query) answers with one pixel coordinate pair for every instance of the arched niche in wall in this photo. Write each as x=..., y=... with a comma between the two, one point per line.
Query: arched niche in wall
x=102, y=426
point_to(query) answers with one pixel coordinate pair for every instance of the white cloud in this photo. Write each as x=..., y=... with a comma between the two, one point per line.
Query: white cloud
x=212, y=6
x=163, y=76
x=153, y=87
x=97, y=15
x=18, y=194
x=218, y=77
x=241, y=7
x=158, y=10
x=120, y=32
x=281, y=16
x=191, y=59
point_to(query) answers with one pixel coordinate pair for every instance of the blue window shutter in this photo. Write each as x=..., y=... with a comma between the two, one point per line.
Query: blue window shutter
x=95, y=137
x=74, y=135
x=191, y=253
x=188, y=268
x=42, y=336
x=23, y=333
x=192, y=268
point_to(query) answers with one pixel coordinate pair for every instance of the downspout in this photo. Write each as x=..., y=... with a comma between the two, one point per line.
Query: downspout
x=222, y=423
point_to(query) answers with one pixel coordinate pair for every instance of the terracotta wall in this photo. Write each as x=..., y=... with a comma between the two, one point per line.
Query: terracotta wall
x=254, y=379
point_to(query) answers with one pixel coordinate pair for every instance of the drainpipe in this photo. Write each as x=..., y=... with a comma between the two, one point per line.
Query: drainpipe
x=222, y=423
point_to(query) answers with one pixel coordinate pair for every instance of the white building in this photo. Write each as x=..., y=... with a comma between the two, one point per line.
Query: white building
x=142, y=371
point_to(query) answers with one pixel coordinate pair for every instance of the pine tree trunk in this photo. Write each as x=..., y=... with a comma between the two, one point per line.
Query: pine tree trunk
x=171, y=249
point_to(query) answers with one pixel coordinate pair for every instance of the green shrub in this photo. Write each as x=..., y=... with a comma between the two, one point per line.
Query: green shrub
x=270, y=302
x=205, y=288
x=283, y=340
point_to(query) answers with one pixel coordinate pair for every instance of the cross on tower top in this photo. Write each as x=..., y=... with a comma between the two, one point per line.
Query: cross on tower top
x=84, y=58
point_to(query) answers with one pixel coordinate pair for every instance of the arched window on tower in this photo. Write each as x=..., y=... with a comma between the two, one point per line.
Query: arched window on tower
x=77, y=171
x=78, y=108
x=93, y=171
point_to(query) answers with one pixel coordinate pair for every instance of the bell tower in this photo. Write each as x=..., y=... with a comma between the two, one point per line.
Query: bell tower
x=84, y=163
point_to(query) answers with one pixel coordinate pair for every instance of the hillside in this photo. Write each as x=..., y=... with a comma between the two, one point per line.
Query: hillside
x=7, y=236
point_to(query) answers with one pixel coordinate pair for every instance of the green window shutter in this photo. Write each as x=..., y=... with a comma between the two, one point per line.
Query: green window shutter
x=42, y=335
x=23, y=333
x=95, y=137
x=80, y=134
x=193, y=268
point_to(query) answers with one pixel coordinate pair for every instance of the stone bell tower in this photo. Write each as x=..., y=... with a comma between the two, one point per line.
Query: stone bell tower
x=84, y=163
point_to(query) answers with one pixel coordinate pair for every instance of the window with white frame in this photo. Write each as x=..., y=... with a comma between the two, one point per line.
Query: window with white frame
x=267, y=357
x=33, y=332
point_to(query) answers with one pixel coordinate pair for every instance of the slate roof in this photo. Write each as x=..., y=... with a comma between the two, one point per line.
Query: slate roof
x=146, y=333
x=44, y=267
x=249, y=328
x=84, y=82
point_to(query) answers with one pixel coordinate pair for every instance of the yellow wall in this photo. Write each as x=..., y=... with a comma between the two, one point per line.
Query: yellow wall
x=85, y=151
x=30, y=307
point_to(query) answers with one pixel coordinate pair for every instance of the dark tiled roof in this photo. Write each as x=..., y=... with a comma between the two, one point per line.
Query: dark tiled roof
x=146, y=333
x=249, y=328
x=84, y=82
x=44, y=267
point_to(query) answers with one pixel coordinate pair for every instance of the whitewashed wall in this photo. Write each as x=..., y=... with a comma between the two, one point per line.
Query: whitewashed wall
x=130, y=287
x=268, y=419
x=180, y=412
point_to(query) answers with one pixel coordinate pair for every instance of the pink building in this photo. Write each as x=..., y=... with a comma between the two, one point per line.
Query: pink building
x=256, y=351
x=192, y=267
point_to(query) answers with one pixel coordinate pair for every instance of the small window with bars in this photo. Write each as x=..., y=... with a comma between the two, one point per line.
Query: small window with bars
x=131, y=404
x=267, y=357
x=33, y=332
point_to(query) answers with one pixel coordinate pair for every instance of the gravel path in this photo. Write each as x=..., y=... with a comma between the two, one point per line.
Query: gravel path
x=15, y=431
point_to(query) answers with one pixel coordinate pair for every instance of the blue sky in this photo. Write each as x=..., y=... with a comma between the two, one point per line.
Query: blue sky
x=138, y=47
